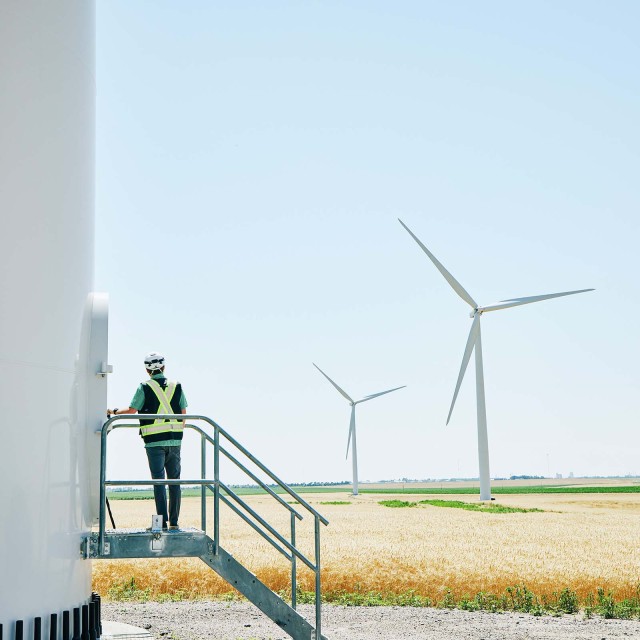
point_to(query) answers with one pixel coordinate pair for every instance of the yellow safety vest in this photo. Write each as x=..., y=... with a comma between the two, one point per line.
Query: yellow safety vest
x=164, y=397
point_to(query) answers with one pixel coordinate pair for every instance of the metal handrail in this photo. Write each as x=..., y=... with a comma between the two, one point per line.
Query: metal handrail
x=231, y=439
x=215, y=485
x=267, y=526
x=254, y=526
x=252, y=475
x=144, y=483
x=262, y=485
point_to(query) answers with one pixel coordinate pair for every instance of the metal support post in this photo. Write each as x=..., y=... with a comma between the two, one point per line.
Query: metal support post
x=203, y=475
x=294, y=586
x=103, y=495
x=216, y=490
x=318, y=592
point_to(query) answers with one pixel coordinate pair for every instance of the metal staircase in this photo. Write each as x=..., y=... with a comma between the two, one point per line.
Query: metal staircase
x=112, y=544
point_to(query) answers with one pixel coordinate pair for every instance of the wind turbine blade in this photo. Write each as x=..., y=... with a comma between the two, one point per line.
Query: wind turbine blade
x=457, y=287
x=352, y=426
x=471, y=343
x=516, y=302
x=344, y=393
x=375, y=395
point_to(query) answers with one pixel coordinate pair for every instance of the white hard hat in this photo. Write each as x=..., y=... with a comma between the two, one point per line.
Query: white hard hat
x=154, y=361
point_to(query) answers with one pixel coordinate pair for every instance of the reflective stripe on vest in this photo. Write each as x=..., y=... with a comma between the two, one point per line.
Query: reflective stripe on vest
x=164, y=397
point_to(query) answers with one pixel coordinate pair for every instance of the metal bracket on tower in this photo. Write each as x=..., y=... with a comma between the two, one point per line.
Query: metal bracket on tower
x=104, y=369
x=91, y=547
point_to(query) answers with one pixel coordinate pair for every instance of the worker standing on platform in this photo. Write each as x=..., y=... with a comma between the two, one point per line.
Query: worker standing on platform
x=162, y=438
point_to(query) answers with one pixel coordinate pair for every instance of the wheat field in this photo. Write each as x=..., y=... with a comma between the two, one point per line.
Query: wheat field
x=579, y=541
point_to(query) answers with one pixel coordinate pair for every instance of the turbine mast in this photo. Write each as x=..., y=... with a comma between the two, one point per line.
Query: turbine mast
x=354, y=451
x=483, y=438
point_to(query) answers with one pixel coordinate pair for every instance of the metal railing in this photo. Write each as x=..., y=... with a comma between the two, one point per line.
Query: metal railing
x=223, y=493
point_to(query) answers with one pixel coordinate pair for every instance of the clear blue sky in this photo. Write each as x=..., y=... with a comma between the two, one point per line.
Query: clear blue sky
x=252, y=161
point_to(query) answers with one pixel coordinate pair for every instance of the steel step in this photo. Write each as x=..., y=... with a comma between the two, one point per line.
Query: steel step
x=190, y=542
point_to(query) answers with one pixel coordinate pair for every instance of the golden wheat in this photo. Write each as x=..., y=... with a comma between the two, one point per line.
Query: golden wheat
x=580, y=541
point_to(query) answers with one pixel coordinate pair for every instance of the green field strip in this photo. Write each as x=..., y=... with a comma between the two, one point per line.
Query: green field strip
x=486, y=507
x=502, y=490
x=250, y=491
x=241, y=491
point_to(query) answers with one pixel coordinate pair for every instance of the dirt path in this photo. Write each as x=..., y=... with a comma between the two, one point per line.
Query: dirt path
x=242, y=621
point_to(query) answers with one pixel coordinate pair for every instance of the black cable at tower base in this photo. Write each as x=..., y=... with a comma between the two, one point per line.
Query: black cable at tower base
x=85, y=622
x=92, y=620
x=66, y=631
x=76, y=624
x=95, y=598
x=53, y=627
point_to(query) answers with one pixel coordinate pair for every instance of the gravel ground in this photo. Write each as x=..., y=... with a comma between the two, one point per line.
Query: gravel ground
x=242, y=621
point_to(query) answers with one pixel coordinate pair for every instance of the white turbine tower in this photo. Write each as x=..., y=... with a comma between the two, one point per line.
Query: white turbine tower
x=474, y=341
x=352, y=424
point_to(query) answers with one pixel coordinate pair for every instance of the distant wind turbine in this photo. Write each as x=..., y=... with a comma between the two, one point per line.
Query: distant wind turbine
x=474, y=341
x=352, y=424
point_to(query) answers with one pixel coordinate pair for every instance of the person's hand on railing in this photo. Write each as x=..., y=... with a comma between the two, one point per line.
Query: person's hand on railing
x=119, y=412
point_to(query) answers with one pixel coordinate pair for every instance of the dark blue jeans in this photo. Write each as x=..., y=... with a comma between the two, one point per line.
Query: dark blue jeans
x=161, y=458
